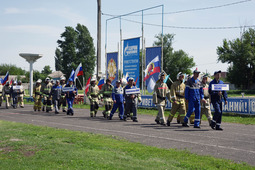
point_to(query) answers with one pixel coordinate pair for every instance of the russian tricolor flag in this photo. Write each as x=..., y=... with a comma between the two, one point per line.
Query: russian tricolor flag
x=100, y=83
x=6, y=78
x=152, y=67
x=78, y=71
x=87, y=86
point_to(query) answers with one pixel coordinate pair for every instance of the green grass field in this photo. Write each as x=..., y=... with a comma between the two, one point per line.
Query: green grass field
x=25, y=146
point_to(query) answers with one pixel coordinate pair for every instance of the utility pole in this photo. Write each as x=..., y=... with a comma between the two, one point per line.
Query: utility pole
x=98, y=37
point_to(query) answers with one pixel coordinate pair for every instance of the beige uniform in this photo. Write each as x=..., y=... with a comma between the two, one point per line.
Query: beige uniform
x=106, y=93
x=1, y=94
x=63, y=99
x=20, y=96
x=47, y=99
x=37, y=98
x=161, y=91
x=205, y=107
x=7, y=95
x=177, y=96
x=93, y=95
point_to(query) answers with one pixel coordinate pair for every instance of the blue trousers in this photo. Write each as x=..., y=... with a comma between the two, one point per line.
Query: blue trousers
x=218, y=113
x=121, y=109
x=70, y=103
x=193, y=106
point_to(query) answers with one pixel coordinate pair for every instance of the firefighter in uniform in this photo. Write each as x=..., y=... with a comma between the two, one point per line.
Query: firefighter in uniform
x=7, y=94
x=106, y=95
x=131, y=101
x=20, y=94
x=1, y=93
x=63, y=96
x=118, y=98
x=93, y=95
x=160, y=93
x=70, y=96
x=205, y=107
x=193, y=93
x=177, y=97
x=216, y=99
x=192, y=116
x=14, y=94
x=47, y=100
x=37, y=95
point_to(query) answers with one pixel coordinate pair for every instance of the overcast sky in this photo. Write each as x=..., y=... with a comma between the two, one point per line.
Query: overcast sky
x=30, y=26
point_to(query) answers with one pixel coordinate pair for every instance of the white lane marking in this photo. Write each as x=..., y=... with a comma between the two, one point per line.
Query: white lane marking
x=150, y=136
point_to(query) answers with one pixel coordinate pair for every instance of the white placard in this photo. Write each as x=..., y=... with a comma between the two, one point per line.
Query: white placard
x=133, y=91
x=220, y=87
x=66, y=89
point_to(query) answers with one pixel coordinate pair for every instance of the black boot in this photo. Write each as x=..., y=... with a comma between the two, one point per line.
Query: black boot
x=168, y=123
x=185, y=125
x=218, y=127
x=212, y=125
x=157, y=121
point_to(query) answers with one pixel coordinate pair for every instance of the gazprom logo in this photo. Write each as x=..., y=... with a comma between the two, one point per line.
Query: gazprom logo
x=130, y=50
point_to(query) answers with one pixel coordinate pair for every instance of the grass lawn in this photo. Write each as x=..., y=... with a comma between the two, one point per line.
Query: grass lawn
x=24, y=146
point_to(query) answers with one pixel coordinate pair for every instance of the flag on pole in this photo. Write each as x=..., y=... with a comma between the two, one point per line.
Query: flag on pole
x=78, y=71
x=87, y=86
x=152, y=67
x=100, y=83
x=1, y=80
x=167, y=77
x=72, y=75
x=151, y=85
x=136, y=80
x=6, y=78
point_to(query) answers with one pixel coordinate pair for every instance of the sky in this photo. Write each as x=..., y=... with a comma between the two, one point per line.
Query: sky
x=30, y=26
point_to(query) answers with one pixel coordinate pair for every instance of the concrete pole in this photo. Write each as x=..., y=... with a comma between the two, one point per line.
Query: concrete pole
x=98, y=37
x=31, y=79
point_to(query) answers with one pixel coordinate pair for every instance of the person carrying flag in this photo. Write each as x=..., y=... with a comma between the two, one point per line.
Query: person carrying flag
x=106, y=96
x=93, y=95
x=160, y=93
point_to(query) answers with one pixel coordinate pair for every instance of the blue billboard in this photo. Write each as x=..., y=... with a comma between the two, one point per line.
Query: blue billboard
x=112, y=67
x=131, y=61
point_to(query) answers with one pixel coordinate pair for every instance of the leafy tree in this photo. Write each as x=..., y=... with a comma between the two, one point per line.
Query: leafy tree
x=240, y=54
x=75, y=47
x=46, y=70
x=13, y=69
x=174, y=61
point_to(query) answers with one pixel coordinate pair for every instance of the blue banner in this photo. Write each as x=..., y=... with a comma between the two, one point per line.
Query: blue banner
x=131, y=61
x=235, y=105
x=151, y=54
x=112, y=67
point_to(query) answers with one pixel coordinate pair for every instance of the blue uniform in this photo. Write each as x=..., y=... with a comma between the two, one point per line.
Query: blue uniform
x=117, y=95
x=216, y=101
x=131, y=103
x=70, y=98
x=193, y=93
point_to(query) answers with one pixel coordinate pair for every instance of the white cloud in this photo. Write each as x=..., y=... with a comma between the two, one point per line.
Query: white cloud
x=13, y=11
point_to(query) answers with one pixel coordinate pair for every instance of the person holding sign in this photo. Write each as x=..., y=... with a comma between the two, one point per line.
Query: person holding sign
x=132, y=97
x=216, y=100
x=70, y=95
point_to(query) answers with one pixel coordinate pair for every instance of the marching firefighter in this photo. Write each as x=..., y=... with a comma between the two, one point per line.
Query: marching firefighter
x=216, y=99
x=20, y=94
x=93, y=96
x=56, y=91
x=193, y=93
x=205, y=107
x=14, y=94
x=63, y=96
x=106, y=94
x=177, y=98
x=161, y=91
x=70, y=96
x=192, y=116
x=131, y=101
x=47, y=100
x=118, y=99
x=1, y=93
x=7, y=94
x=37, y=95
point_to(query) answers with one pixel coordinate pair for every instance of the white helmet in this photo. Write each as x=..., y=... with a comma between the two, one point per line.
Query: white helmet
x=62, y=78
x=39, y=81
x=47, y=79
x=94, y=78
x=179, y=74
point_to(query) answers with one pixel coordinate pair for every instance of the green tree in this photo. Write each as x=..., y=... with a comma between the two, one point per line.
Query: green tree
x=13, y=69
x=46, y=70
x=75, y=47
x=174, y=61
x=240, y=54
